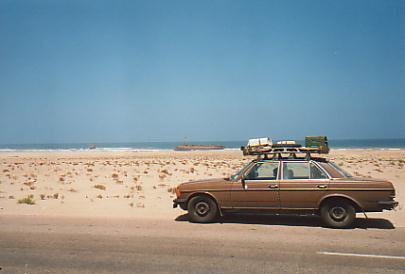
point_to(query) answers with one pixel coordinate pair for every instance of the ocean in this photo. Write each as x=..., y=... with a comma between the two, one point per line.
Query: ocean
x=156, y=146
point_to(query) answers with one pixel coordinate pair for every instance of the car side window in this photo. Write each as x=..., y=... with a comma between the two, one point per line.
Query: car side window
x=295, y=170
x=317, y=173
x=263, y=171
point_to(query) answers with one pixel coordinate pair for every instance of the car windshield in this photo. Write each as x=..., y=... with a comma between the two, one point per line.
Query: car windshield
x=236, y=175
x=340, y=170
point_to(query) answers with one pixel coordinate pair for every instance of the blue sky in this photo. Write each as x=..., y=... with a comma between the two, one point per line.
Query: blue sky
x=119, y=71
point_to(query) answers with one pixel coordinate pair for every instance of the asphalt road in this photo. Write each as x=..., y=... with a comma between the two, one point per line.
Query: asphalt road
x=240, y=244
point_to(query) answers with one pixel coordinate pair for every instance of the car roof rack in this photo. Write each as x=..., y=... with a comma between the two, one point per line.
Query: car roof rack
x=264, y=147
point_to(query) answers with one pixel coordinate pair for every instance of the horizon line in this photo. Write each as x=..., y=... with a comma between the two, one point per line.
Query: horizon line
x=189, y=141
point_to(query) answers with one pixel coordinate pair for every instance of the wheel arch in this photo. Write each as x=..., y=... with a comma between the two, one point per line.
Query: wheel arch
x=206, y=194
x=358, y=207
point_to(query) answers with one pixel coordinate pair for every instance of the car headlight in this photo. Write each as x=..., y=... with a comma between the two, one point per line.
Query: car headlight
x=177, y=191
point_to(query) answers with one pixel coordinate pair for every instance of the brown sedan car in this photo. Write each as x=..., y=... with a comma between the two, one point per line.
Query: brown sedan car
x=300, y=186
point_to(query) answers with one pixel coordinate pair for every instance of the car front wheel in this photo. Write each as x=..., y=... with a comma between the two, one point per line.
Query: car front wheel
x=202, y=209
x=338, y=214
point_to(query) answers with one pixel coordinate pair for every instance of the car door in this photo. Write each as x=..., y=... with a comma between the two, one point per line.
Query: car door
x=303, y=184
x=259, y=189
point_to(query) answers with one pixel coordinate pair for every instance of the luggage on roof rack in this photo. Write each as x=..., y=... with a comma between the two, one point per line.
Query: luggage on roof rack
x=260, y=142
x=320, y=142
x=313, y=144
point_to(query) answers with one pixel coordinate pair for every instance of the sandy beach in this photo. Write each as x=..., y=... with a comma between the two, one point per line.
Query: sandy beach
x=140, y=184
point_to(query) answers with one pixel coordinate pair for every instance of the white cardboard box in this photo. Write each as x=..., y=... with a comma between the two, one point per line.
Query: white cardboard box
x=260, y=142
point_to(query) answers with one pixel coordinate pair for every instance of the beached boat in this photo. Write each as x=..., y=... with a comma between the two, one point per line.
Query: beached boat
x=92, y=146
x=198, y=147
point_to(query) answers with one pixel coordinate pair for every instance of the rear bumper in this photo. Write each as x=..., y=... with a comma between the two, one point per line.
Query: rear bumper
x=388, y=204
x=181, y=202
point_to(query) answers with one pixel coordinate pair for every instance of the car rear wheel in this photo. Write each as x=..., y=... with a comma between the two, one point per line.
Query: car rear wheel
x=338, y=214
x=202, y=209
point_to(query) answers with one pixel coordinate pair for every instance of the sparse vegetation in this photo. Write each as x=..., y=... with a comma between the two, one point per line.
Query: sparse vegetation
x=162, y=176
x=102, y=187
x=29, y=200
x=164, y=171
x=171, y=190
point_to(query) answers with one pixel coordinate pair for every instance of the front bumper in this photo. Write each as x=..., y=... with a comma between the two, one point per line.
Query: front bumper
x=181, y=202
x=388, y=204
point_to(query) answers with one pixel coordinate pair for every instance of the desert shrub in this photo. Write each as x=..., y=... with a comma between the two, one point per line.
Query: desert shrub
x=171, y=190
x=100, y=187
x=164, y=171
x=29, y=200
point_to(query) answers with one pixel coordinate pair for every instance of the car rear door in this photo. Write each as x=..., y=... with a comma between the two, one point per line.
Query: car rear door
x=259, y=189
x=303, y=184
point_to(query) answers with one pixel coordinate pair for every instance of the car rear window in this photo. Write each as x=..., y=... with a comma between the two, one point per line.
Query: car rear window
x=340, y=170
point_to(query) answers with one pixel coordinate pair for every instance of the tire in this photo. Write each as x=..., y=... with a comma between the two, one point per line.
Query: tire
x=202, y=209
x=338, y=214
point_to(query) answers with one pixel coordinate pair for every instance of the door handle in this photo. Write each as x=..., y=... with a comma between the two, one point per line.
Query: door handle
x=273, y=186
x=322, y=186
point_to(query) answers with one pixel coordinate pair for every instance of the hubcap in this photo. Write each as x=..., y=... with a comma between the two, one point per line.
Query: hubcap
x=338, y=213
x=202, y=208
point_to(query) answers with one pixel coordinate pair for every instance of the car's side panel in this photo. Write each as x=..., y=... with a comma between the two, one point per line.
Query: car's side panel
x=255, y=194
x=219, y=190
x=365, y=193
x=301, y=194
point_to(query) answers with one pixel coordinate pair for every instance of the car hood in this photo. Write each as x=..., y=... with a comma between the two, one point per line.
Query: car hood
x=203, y=183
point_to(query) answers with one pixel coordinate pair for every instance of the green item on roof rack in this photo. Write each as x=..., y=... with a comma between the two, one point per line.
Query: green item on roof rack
x=320, y=142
